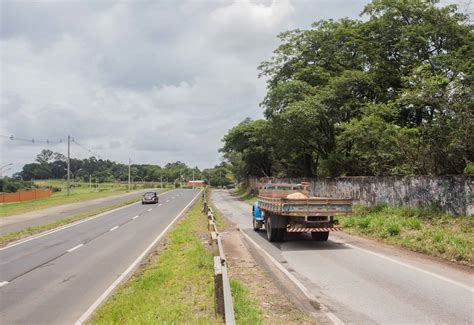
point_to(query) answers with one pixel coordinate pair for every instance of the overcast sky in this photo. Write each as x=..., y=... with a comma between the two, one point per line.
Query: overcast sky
x=157, y=81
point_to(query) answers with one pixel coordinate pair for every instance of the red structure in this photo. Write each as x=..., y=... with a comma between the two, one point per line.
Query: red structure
x=195, y=183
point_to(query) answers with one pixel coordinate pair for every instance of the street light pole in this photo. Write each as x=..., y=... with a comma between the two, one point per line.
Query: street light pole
x=129, y=162
x=68, y=164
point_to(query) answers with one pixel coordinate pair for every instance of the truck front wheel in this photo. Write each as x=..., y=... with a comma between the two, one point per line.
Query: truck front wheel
x=320, y=236
x=274, y=234
x=256, y=225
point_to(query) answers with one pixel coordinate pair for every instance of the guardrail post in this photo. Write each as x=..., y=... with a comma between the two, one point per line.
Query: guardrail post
x=219, y=286
x=210, y=225
x=215, y=246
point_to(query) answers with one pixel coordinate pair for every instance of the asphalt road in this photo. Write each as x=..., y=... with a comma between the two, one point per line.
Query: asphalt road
x=363, y=282
x=44, y=216
x=56, y=278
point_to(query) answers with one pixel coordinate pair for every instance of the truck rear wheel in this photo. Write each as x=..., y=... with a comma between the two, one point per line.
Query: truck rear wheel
x=274, y=234
x=320, y=236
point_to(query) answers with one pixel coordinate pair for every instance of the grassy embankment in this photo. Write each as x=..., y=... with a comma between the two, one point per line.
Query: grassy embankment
x=244, y=194
x=426, y=230
x=81, y=192
x=177, y=285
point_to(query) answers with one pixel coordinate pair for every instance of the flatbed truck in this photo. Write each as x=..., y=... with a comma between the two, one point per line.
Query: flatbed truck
x=279, y=213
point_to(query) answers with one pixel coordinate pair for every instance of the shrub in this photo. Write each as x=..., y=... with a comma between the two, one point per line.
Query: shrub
x=364, y=223
x=469, y=170
x=393, y=229
x=414, y=223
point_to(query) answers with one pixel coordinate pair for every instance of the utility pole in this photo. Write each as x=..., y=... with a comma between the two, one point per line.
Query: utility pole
x=68, y=163
x=220, y=173
x=161, y=178
x=193, y=179
x=90, y=183
x=129, y=162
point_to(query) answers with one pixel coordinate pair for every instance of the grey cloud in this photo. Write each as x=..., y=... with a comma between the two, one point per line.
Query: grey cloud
x=153, y=80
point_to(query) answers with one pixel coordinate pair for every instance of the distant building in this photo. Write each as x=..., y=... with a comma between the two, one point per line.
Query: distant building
x=195, y=183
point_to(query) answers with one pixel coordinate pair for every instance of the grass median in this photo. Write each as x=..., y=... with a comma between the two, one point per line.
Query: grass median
x=16, y=235
x=56, y=199
x=428, y=230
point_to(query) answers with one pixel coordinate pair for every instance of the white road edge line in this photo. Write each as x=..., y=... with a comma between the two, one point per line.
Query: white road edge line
x=3, y=283
x=295, y=281
x=112, y=229
x=48, y=232
x=74, y=248
x=440, y=277
x=135, y=217
x=109, y=290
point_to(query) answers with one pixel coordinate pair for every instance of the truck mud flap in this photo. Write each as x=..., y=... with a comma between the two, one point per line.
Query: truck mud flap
x=313, y=229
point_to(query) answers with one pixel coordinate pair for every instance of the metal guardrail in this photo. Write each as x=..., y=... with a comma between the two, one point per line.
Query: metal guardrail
x=224, y=303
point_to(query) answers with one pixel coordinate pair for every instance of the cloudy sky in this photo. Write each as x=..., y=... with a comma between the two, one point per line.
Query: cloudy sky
x=157, y=81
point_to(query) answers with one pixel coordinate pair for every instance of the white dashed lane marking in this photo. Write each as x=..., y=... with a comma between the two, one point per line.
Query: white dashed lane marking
x=74, y=248
x=4, y=283
x=135, y=217
x=149, y=209
x=112, y=229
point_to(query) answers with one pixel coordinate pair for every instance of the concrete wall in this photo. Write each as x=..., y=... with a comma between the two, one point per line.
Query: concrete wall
x=455, y=194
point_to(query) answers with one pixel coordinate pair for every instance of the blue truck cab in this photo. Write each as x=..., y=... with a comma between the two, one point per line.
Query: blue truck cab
x=257, y=217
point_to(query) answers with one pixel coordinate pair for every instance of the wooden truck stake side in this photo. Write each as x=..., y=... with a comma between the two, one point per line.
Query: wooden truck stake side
x=288, y=208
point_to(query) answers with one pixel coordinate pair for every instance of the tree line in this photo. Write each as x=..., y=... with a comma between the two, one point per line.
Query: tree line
x=388, y=95
x=53, y=165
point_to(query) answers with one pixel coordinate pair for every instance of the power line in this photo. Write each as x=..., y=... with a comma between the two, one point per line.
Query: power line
x=32, y=140
x=86, y=149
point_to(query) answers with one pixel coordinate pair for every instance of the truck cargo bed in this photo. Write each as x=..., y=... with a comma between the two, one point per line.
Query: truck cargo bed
x=316, y=206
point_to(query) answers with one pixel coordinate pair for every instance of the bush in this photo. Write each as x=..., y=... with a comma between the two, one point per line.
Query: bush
x=14, y=185
x=469, y=170
x=414, y=223
x=393, y=229
x=364, y=223
x=55, y=189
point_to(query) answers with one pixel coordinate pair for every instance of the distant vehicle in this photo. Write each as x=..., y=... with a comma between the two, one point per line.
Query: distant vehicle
x=150, y=197
x=230, y=186
x=285, y=208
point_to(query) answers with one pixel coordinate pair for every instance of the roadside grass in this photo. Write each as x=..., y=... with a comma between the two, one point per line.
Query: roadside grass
x=244, y=305
x=176, y=288
x=16, y=235
x=244, y=194
x=425, y=230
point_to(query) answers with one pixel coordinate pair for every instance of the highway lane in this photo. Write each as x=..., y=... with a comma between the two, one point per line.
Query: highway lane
x=363, y=282
x=54, y=279
x=44, y=216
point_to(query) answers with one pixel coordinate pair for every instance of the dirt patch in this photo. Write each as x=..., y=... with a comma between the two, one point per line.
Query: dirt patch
x=275, y=306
